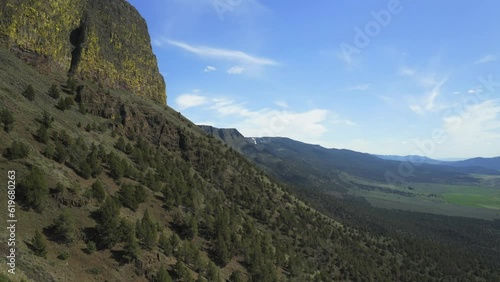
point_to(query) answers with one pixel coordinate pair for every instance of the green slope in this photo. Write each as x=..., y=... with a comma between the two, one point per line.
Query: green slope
x=217, y=212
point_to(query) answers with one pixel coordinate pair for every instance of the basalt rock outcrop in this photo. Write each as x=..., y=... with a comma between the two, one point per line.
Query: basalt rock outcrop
x=102, y=41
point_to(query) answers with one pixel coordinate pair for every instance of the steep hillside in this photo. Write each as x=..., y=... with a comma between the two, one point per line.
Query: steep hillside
x=118, y=188
x=102, y=41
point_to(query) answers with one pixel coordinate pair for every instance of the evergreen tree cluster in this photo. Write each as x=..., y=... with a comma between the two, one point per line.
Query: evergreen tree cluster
x=217, y=209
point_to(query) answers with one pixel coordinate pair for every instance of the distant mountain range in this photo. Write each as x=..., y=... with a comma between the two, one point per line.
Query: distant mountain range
x=490, y=163
x=313, y=165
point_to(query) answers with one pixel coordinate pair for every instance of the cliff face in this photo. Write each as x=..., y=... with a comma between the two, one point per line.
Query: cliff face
x=104, y=41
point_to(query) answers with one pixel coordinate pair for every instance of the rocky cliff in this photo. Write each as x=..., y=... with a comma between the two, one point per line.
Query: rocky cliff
x=104, y=41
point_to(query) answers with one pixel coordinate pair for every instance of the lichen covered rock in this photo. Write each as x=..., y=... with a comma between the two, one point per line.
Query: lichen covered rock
x=104, y=41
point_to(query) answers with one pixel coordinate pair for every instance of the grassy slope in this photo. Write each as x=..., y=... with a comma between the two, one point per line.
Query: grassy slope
x=313, y=244
x=103, y=265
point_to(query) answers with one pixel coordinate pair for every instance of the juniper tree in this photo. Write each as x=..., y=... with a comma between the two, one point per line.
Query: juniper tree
x=7, y=119
x=54, y=92
x=39, y=244
x=29, y=93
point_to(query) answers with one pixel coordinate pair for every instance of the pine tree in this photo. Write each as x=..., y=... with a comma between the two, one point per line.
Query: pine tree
x=46, y=119
x=98, y=191
x=116, y=166
x=17, y=150
x=164, y=244
x=140, y=194
x=213, y=274
x=42, y=134
x=64, y=228
x=72, y=85
x=221, y=251
x=94, y=162
x=33, y=189
x=149, y=231
x=192, y=228
x=29, y=93
x=108, y=221
x=39, y=244
x=7, y=119
x=182, y=272
x=61, y=104
x=61, y=154
x=127, y=197
x=49, y=151
x=174, y=243
x=91, y=247
x=54, y=92
x=236, y=276
x=162, y=275
x=131, y=248
x=120, y=144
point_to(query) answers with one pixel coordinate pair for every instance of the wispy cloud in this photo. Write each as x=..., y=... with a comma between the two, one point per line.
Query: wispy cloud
x=428, y=102
x=474, y=91
x=189, y=100
x=236, y=70
x=209, y=69
x=282, y=104
x=359, y=87
x=387, y=99
x=337, y=120
x=486, y=59
x=218, y=53
x=406, y=71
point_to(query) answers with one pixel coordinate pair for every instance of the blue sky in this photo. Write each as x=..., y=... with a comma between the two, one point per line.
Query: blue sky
x=386, y=77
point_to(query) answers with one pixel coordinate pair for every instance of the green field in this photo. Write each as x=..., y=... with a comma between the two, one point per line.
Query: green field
x=474, y=200
x=481, y=201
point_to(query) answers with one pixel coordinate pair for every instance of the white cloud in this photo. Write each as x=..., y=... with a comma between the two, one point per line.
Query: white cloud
x=217, y=53
x=207, y=122
x=209, y=69
x=282, y=104
x=306, y=126
x=156, y=42
x=416, y=109
x=337, y=120
x=388, y=100
x=476, y=129
x=407, y=71
x=226, y=107
x=428, y=102
x=236, y=70
x=474, y=91
x=303, y=126
x=486, y=59
x=359, y=87
x=189, y=100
